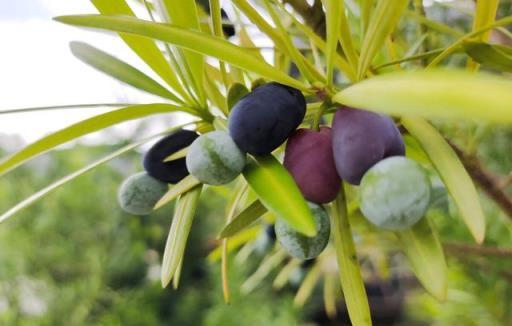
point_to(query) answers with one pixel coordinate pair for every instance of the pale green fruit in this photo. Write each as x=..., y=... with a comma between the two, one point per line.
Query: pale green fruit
x=214, y=158
x=395, y=193
x=299, y=245
x=139, y=193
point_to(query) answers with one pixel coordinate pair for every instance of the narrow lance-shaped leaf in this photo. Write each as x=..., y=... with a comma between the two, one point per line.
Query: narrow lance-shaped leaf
x=184, y=213
x=425, y=253
x=452, y=171
x=82, y=128
x=485, y=13
x=183, y=13
x=120, y=70
x=333, y=15
x=144, y=48
x=348, y=264
x=308, y=285
x=178, y=189
x=245, y=218
x=384, y=19
x=493, y=56
x=279, y=193
x=192, y=40
x=235, y=242
x=48, y=189
x=434, y=94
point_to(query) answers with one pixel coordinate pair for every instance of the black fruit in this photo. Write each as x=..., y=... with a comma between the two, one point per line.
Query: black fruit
x=360, y=139
x=309, y=159
x=263, y=119
x=173, y=171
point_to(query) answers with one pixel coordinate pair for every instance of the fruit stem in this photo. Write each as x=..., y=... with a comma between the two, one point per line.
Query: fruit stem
x=315, y=125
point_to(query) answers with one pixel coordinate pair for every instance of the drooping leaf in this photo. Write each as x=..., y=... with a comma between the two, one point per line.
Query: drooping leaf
x=177, y=190
x=268, y=264
x=285, y=273
x=245, y=218
x=183, y=13
x=48, y=189
x=308, y=285
x=493, y=56
x=452, y=171
x=120, y=70
x=434, y=94
x=85, y=127
x=348, y=264
x=189, y=39
x=425, y=253
x=384, y=19
x=279, y=193
x=235, y=242
x=146, y=49
x=64, y=107
x=184, y=213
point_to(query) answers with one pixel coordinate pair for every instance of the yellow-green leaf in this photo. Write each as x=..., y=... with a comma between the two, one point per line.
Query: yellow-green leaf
x=279, y=193
x=493, y=56
x=384, y=19
x=452, y=171
x=180, y=229
x=178, y=189
x=434, y=94
x=348, y=264
x=120, y=70
x=85, y=127
x=425, y=253
x=485, y=13
x=189, y=39
x=146, y=49
x=245, y=218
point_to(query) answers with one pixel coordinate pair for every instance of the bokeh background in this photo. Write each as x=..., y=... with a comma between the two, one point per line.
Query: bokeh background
x=76, y=259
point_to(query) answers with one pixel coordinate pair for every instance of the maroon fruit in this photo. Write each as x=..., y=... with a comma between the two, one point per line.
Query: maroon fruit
x=360, y=139
x=309, y=159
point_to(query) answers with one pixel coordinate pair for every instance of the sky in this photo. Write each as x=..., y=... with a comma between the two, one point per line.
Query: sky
x=38, y=69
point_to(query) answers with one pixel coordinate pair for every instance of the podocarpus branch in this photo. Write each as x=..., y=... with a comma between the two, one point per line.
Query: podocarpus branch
x=490, y=184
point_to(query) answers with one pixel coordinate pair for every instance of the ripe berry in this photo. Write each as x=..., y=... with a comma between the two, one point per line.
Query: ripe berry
x=309, y=159
x=263, y=119
x=173, y=171
x=139, y=193
x=299, y=245
x=214, y=158
x=395, y=193
x=360, y=139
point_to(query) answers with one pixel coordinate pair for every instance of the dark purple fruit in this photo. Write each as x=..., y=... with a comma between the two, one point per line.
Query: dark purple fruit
x=360, y=139
x=263, y=119
x=173, y=171
x=309, y=159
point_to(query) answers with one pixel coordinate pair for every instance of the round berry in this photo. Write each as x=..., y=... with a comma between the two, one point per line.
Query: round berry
x=139, y=193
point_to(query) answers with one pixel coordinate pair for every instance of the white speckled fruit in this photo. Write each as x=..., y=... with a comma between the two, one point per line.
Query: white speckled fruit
x=299, y=245
x=215, y=159
x=395, y=193
x=139, y=193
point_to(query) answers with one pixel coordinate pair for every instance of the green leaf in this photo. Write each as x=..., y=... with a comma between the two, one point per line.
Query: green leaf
x=184, y=213
x=493, y=56
x=245, y=218
x=65, y=107
x=434, y=94
x=82, y=128
x=183, y=13
x=307, y=286
x=235, y=93
x=485, y=13
x=348, y=265
x=192, y=40
x=425, y=253
x=235, y=242
x=146, y=49
x=182, y=153
x=452, y=171
x=267, y=265
x=410, y=58
x=48, y=189
x=120, y=70
x=334, y=14
x=342, y=28
x=178, y=189
x=384, y=19
x=279, y=193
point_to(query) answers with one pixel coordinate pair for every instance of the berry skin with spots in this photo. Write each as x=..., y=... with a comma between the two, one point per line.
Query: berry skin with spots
x=395, y=193
x=301, y=246
x=139, y=193
x=214, y=158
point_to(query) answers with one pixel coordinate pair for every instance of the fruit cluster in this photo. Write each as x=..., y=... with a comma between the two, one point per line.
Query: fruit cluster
x=362, y=148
